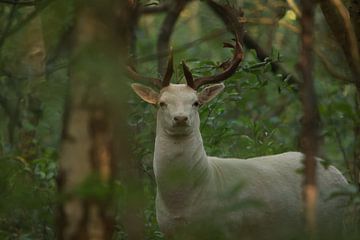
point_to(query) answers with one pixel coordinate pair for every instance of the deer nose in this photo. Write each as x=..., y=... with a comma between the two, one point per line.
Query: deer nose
x=180, y=119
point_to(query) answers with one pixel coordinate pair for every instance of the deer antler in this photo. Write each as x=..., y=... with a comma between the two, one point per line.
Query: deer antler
x=133, y=74
x=230, y=18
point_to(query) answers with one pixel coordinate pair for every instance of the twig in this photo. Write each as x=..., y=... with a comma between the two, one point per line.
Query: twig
x=166, y=31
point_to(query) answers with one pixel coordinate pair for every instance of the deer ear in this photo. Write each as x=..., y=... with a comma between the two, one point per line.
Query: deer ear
x=145, y=93
x=208, y=93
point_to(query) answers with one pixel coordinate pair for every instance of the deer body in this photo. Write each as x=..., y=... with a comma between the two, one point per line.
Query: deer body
x=199, y=194
x=193, y=188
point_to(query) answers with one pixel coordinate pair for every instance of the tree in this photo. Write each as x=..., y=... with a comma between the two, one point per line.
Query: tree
x=95, y=137
x=310, y=121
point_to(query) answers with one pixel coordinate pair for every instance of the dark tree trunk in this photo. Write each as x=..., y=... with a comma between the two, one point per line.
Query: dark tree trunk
x=310, y=120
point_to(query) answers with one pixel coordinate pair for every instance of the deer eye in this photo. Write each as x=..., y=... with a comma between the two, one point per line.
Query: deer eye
x=162, y=104
x=196, y=104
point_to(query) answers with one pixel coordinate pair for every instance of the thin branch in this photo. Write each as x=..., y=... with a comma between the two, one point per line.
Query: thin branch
x=167, y=28
x=23, y=3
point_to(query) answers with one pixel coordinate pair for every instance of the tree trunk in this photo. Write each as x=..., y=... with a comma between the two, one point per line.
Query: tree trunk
x=310, y=120
x=95, y=136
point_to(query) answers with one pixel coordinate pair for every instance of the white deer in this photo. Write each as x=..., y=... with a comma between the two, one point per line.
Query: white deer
x=194, y=189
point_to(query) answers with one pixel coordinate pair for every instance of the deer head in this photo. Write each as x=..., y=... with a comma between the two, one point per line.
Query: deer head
x=178, y=104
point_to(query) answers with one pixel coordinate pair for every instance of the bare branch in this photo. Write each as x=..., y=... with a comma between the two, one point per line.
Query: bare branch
x=166, y=31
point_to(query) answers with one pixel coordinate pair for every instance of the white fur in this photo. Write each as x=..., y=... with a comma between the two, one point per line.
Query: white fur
x=193, y=188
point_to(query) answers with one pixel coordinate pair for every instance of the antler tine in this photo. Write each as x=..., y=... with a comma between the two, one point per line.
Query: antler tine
x=188, y=75
x=228, y=72
x=169, y=70
x=133, y=74
x=229, y=17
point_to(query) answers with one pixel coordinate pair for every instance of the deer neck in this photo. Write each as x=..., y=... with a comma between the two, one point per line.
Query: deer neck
x=180, y=165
